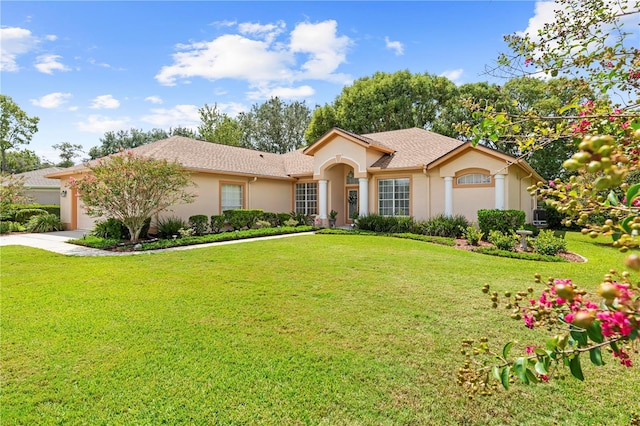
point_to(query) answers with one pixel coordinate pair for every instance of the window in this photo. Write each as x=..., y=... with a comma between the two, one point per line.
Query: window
x=351, y=180
x=393, y=197
x=474, y=179
x=231, y=196
x=306, y=198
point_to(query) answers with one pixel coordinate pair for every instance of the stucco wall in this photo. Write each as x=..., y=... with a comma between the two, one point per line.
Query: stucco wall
x=44, y=196
x=346, y=151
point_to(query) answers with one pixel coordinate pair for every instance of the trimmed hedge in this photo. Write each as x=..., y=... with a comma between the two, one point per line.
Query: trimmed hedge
x=11, y=212
x=505, y=221
x=199, y=224
x=242, y=218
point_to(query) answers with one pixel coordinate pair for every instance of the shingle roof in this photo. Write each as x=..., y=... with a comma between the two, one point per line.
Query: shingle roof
x=36, y=178
x=212, y=157
x=413, y=147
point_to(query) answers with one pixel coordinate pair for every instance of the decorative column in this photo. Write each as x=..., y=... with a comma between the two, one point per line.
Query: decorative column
x=448, y=196
x=322, y=199
x=363, y=208
x=499, y=191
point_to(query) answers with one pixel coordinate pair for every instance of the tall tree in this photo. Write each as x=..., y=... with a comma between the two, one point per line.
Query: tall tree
x=322, y=120
x=24, y=160
x=16, y=127
x=275, y=126
x=387, y=101
x=68, y=152
x=216, y=126
x=113, y=142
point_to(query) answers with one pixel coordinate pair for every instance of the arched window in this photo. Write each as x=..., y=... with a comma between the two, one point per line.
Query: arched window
x=474, y=179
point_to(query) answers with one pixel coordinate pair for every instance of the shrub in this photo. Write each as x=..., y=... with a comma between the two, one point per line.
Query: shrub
x=272, y=218
x=382, y=224
x=473, y=235
x=445, y=226
x=44, y=223
x=242, y=218
x=263, y=224
x=282, y=218
x=199, y=223
x=23, y=215
x=505, y=221
x=291, y=222
x=5, y=227
x=108, y=229
x=170, y=226
x=503, y=241
x=186, y=232
x=301, y=218
x=217, y=223
x=547, y=243
x=113, y=229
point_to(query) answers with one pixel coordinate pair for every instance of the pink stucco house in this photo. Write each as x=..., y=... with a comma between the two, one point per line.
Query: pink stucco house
x=410, y=172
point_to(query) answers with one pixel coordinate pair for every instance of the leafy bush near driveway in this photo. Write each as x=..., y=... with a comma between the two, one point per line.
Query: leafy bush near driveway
x=44, y=223
x=473, y=235
x=444, y=226
x=24, y=215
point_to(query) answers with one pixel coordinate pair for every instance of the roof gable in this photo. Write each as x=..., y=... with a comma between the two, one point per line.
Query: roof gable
x=335, y=132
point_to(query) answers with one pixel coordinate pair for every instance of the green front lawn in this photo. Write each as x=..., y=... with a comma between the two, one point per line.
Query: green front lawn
x=319, y=329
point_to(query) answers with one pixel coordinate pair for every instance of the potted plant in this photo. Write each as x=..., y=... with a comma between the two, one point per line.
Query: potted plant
x=332, y=218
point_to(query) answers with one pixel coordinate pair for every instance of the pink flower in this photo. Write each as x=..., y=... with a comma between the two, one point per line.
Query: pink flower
x=614, y=322
x=544, y=377
x=623, y=356
x=530, y=349
x=569, y=317
x=609, y=64
x=625, y=124
x=552, y=184
x=529, y=321
x=528, y=62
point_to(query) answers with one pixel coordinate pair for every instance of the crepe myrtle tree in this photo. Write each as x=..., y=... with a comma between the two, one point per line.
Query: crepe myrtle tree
x=132, y=188
x=588, y=39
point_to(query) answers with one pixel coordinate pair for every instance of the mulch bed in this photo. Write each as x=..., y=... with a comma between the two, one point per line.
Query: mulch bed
x=462, y=244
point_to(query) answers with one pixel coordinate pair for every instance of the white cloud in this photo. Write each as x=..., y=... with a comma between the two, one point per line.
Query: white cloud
x=52, y=100
x=266, y=32
x=105, y=102
x=228, y=56
x=396, y=46
x=51, y=37
x=326, y=49
x=14, y=41
x=543, y=13
x=256, y=57
x=154, y=99
x=102, y=124
x=282, y=92
x=180, y=115
x=49, y=63
x=232, y=108
x=453, y=75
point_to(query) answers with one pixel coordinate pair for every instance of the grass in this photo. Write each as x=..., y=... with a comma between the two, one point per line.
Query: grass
x=319, y=329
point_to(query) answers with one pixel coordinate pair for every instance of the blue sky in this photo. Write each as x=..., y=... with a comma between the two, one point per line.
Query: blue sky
x=87, y=67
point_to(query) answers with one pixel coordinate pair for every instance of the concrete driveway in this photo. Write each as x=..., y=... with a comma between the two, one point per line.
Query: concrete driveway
x=56, y=242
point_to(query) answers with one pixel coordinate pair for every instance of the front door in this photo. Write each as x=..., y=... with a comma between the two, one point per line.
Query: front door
x=352, y=203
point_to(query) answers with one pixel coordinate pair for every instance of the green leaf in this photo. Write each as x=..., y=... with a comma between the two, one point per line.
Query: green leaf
x=567, y=108
x=632, y=192
x=541, y=368
x=614, y=346
x=506, y=349
x=596, y=357
x=520, y=368
x=613, y=200
x=494, y=137
x=634, y=334
x=531, y=376
x=552, y=343
x=575, y=367
x=496, y=372
x=504, y=377
x=580, y=337
x=625, y=224
x=594, y=331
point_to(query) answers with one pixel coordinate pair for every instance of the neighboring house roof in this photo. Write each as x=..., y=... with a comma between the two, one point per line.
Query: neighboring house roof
x=37, y=179
x=399, y=149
